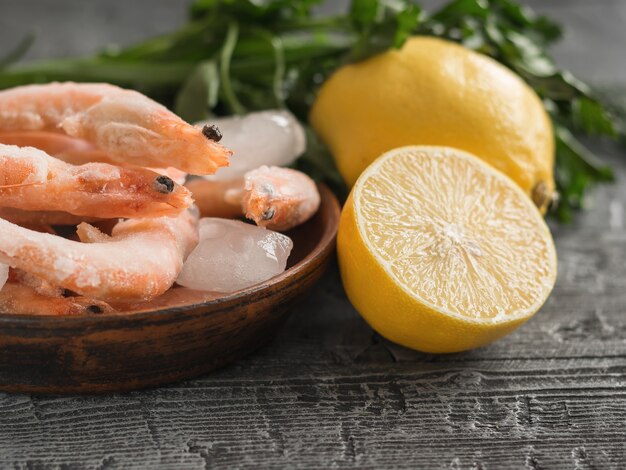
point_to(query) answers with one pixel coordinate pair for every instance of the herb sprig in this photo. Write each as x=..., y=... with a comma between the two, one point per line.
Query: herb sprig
x=232, y=52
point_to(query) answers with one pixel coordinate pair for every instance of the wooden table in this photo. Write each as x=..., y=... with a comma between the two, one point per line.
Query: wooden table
x=328, y=392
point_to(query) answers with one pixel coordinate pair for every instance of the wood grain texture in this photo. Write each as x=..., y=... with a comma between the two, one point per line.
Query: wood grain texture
x=328, y=393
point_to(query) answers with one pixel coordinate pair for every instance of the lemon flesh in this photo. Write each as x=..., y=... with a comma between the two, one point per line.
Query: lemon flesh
x=435, y=92
x=440, y=252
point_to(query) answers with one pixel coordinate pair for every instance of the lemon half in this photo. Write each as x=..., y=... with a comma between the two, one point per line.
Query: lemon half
x=440, y=252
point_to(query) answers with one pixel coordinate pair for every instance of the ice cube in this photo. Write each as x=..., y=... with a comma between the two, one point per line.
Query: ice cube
x=233, y=255
x=271, y=137
x=4, y=274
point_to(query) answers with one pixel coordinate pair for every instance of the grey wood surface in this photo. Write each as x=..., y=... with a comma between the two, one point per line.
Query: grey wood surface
x=328, y=392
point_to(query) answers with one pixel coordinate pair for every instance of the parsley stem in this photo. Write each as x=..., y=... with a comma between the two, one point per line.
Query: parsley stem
x=225, y=57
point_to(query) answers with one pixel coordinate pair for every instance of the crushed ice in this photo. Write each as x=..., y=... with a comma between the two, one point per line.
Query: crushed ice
x=270, y=137
x=233, y=255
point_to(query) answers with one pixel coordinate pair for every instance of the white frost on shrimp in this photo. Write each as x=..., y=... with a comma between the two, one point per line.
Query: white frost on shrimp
x=89, y=277
x=100, y=172
x=33, y=163
x=138, y=261
x=127, y=126
x=64, y=267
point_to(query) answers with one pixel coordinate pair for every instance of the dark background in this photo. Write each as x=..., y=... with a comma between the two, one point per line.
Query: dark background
x=593, y=47
x=328, y=392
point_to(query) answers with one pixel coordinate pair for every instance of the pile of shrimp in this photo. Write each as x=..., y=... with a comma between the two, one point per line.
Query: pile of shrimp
x=94, y=210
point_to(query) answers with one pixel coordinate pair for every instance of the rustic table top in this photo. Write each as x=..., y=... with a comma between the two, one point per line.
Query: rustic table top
x=328, y=392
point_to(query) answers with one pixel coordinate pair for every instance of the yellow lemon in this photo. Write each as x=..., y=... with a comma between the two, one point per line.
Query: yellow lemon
x=435, y=92
x=440, y=252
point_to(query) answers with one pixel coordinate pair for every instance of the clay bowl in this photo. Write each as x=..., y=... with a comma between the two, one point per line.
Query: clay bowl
x=184, y=334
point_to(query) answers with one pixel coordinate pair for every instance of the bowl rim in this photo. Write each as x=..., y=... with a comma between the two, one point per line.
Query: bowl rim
x=325, y=244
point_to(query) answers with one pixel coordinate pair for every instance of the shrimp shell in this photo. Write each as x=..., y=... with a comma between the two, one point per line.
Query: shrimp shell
x=279, y=198
x=22, y=168
x=72, y=150
x=273, y=197
x=93, y=189
x=20, y=299
x=61, y=146
x=41, y=286
x=211, y=197
x=124, y=124
x=35, y=219
x=139, y=261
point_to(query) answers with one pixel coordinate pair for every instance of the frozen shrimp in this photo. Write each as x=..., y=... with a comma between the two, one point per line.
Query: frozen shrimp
x=39, y=285
x=273, y=197
x=124, y=124
x=20, y=299
x=35, y=219
x=72, y=150
x=138, y=261
x=217, y=198
x=92, y=189
x=279, y=198
x=39, y=221
x=61, y=146
x=20, y=167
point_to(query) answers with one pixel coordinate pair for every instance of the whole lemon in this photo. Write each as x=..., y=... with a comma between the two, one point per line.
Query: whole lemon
x=436, y=92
